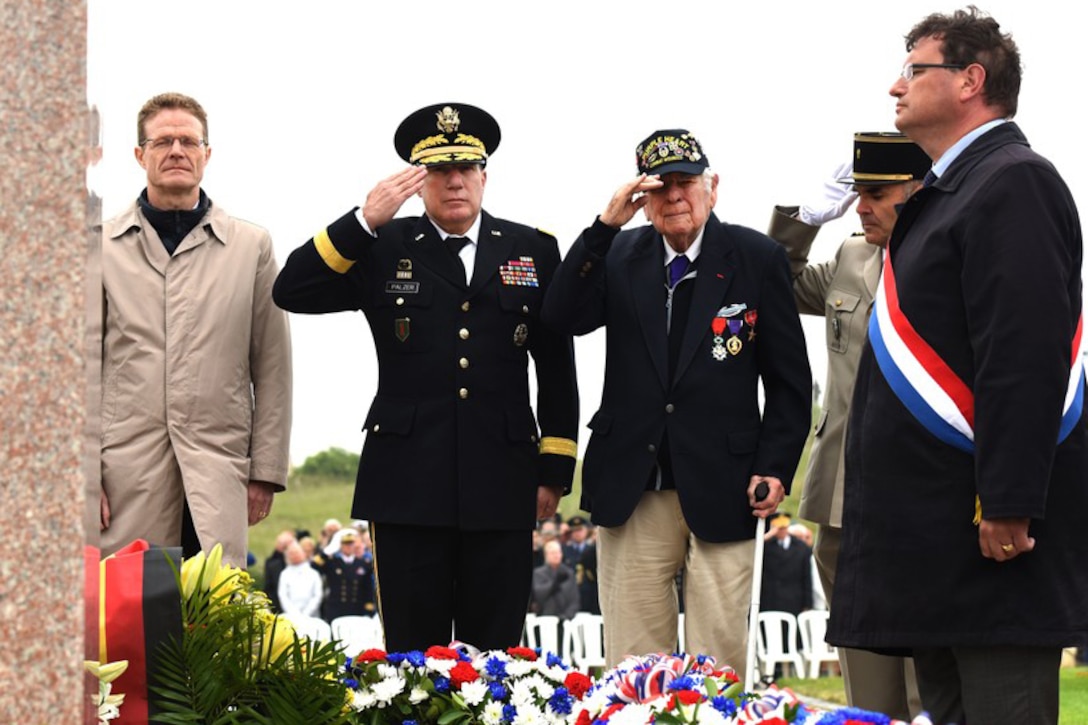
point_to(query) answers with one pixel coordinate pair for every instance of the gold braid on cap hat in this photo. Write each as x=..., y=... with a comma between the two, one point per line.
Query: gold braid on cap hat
x=465, y=147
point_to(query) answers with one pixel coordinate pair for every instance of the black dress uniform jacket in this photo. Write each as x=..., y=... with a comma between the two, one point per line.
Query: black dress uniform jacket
x=718, y=437
x=451, y=437
x=988, y=266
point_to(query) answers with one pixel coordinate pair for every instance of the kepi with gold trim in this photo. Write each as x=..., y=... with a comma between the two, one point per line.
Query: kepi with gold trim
x=447, y=133
x=882, y=158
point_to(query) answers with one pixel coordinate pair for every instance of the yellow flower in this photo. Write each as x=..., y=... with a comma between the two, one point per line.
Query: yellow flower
x=277, y=635
x=198, y=572
x=106, y=672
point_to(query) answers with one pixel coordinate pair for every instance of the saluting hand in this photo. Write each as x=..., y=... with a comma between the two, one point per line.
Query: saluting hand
x=628, y=199
x=385, y=199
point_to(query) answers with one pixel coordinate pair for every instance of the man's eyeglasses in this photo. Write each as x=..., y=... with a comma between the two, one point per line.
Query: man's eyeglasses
x=911, y=69
x=165, y=143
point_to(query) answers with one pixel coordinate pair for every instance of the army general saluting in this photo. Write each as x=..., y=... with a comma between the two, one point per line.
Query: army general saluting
x=454, y=470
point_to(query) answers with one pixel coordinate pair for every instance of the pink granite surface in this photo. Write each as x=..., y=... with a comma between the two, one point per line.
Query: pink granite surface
x=43, y=251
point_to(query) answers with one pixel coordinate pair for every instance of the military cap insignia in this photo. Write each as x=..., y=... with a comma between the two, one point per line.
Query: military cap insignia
x=448, y=119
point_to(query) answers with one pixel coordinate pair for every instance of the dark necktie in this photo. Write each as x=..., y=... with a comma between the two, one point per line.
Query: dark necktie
x=678, y=267
x=455, y=245
x=929, y=179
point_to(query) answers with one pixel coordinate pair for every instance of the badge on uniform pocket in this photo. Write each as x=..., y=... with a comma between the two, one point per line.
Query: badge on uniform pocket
x=521, y=334
x=402, y=327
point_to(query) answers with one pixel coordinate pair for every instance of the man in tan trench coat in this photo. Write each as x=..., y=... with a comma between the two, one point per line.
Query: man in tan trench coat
x=196, y=359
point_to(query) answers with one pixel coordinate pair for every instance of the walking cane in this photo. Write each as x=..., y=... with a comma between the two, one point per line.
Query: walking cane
x=751, y=666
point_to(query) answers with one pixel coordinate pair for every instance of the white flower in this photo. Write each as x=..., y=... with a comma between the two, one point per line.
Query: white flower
x=518, y=668
x=417, y=696
x=633, y=714
x=387, y=671
x=442, y=667
x=386, y=690
x=544, y=688
x=474, y=692
x=492, y=714
x=362, y=700
x=521, y=694
x=529, y=715
x=709, y=716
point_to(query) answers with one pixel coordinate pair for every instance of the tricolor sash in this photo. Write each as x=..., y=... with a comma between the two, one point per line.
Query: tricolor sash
x=927, y=386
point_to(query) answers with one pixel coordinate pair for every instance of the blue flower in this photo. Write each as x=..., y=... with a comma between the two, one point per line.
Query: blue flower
x=347, y=664
x=555, y=660
x=441, y=685
x=682, y=683
x=724, y=705
x=495, y=668
x=416, y=658
x=409, y=722
x=395, y=658
x=352, y=683
x=853, y=714
x=497, y=690
x=509, y=712
x=561, y=701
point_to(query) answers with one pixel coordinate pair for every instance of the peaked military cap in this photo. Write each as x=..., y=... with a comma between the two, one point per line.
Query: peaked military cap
x=447, y=133
x=886, y=158
x=669, y=151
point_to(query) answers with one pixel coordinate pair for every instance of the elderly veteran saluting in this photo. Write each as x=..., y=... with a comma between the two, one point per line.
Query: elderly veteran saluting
x=698, y=312
x=454, y=471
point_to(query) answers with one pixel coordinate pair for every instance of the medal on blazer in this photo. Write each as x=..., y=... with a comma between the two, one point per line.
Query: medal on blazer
x=720, y=349
x=734, y=345
x=750, y=317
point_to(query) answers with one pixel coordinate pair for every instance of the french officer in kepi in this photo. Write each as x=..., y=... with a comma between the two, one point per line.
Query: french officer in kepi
x=455, y=468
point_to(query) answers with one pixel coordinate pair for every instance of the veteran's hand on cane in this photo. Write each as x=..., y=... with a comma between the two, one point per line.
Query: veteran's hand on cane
x=628, y=199
x=1002, y=539
x=260, y=496
x=775, y=495
x=385, y=200
x=836, y=198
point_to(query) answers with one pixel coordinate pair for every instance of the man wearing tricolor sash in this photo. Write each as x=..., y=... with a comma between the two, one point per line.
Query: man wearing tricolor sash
x=966, y=451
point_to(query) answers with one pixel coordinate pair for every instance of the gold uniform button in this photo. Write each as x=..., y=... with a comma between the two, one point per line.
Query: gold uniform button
x=463, y=393
x=463, y=362
x=463, y=334
x=525, y=309
x=838, y=303
x=400, y=301
x=465, y=306
x=669, y=408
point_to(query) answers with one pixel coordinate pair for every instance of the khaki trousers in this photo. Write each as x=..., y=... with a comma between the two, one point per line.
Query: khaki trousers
x=873, y=682
x=637, y=566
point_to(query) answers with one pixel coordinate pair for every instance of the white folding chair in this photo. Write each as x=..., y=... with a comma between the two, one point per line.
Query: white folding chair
x=814, y=649
x=542, y=631
x=583, y=641
x=312, y=627
x=778, y=642
x=356, y=633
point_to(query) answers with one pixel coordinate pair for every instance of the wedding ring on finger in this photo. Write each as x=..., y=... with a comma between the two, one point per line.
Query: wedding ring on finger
x=1007, y=548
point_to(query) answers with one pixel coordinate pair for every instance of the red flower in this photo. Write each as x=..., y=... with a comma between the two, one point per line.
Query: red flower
x=461, y=673
x=371, y=655
x=522, y=653
x=577, y=684
x=583, y=718
x=441, y=653
x=774, y=721
x=689, y=697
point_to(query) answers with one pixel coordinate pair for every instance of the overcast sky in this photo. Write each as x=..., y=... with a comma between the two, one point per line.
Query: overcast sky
x=303, y=100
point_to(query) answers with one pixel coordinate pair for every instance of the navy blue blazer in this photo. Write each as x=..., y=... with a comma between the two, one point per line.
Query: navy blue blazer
x=711, y=407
